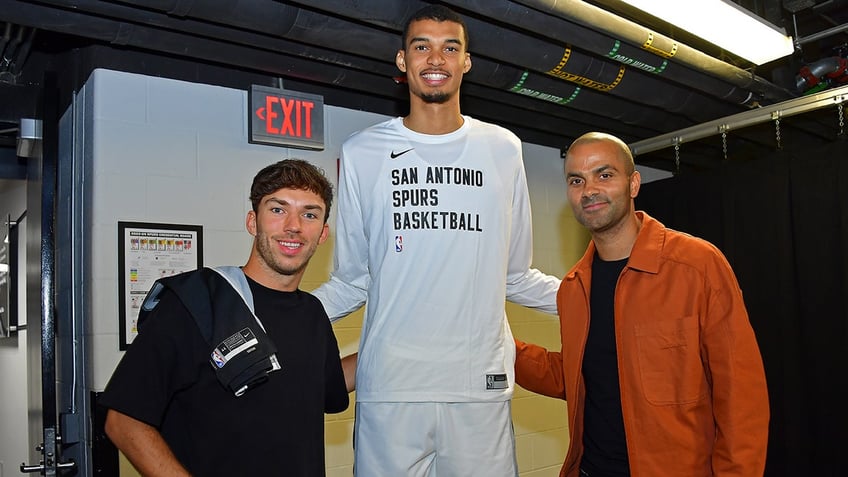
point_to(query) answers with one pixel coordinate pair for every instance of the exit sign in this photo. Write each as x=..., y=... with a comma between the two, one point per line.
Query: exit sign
x=286, y=118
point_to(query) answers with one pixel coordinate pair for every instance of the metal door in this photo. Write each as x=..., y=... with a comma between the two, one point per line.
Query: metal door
x=45, y=435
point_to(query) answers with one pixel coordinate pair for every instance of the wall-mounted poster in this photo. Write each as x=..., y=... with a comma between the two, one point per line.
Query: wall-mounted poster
x=9, y=278
x=148, y=252
x=5, y=277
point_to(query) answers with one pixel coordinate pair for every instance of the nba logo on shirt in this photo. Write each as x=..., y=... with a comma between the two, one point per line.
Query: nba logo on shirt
x=398, y=243
x=218, y=358
x=495, y=382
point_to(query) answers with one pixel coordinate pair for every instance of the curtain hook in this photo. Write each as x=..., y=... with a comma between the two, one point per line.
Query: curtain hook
x=777, y=133
x=676, y=141
x=775, y=115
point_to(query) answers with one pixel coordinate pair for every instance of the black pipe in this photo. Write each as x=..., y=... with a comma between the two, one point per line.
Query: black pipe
x=270, y=54
x=4, y=40
x=635, y=35
x=511, y=48
x=695, y=107
x=635, y=127
x=49, y=164
x=594, y=42
x=326, y=31
x=23, y=52
x=305, y=23
x=575, y=66
x=11, y=42
x=183, y=45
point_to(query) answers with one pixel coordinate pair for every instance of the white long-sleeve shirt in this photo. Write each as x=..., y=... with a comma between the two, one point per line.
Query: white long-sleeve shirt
x=433, y=233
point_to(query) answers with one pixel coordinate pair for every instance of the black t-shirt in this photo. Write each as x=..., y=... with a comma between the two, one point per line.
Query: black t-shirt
x=165, y=379
x=604, y=443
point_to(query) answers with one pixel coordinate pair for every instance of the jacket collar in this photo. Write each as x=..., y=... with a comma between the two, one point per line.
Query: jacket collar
x=648, y=248
x=646, y=252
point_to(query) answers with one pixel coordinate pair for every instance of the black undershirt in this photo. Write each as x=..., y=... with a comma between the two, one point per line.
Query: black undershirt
x=604, y=443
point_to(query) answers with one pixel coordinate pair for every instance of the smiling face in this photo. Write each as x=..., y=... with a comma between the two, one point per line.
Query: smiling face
x=434, y=60
x=287, y=226
x=601, y=184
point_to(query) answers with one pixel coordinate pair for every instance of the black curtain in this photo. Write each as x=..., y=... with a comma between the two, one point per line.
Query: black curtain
x=782, y=222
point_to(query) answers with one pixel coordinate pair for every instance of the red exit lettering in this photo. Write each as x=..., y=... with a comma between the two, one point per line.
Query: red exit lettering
x=295, y=114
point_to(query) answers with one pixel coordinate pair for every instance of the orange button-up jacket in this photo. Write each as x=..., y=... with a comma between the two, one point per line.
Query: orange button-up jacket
x=693, y=389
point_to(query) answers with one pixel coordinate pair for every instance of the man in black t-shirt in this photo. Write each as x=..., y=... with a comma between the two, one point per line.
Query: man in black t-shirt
x=170, y=410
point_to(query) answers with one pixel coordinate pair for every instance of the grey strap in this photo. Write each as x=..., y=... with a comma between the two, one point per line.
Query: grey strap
x=235, y=276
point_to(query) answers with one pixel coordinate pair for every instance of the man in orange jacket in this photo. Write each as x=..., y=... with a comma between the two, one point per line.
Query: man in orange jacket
x=659, y=363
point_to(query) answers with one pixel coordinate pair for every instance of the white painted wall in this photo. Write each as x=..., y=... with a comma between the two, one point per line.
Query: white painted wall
x=14, y=446
x=170, y=152
x=175, y=152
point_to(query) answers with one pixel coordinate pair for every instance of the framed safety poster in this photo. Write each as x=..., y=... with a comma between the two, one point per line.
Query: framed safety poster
x=8, y=270
x=146, y=253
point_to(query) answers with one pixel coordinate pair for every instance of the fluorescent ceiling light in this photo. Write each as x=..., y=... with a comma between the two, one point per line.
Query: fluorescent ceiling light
x=723, y=24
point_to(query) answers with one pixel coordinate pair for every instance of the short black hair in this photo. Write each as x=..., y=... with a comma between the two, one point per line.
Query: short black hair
x=439, y=13
x=291, y=174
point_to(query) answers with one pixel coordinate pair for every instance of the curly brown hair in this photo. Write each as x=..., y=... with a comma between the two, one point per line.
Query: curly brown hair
x=291, y=174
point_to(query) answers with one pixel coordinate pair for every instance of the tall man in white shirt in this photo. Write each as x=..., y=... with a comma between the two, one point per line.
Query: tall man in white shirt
x=434, y=232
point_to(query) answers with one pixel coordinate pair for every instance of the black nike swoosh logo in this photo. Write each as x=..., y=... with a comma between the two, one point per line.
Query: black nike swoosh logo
x=394, y=154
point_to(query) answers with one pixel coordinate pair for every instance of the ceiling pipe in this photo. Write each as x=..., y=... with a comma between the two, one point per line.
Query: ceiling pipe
x=386, y=14
x=12, y=41
x=822, y=34
x=325, y=31
x=812, y=75
x=575, y=124
x=689, y=108
x=180, y=44
x=550, y=90
x=544, y=58
x=591, y=72
x=21, y=55
x=115, y=32
x=7, y=36
x=633, y=33
x=489, y=74
x=235, y=47
x=608, y=47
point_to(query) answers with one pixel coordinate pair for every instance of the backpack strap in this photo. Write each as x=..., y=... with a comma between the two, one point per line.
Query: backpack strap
x=221, y=304
x=235, y=277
